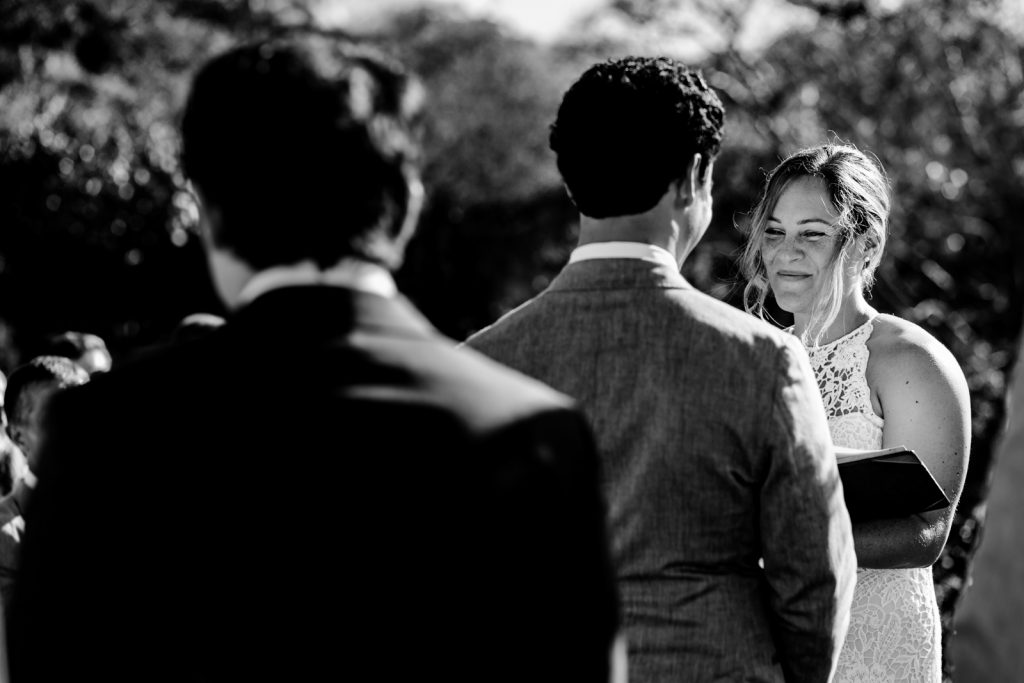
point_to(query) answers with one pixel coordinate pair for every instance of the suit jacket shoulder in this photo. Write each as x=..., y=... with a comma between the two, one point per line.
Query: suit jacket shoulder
x=594, y=312
x=291, y=474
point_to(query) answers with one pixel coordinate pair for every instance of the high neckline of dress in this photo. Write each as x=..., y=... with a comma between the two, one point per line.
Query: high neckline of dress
x=866, y=325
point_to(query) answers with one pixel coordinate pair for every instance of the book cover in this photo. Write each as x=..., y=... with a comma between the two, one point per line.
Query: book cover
x=892, y=482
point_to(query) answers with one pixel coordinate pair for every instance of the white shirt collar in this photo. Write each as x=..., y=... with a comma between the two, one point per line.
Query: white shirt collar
x=631, y=250
x=352, y=273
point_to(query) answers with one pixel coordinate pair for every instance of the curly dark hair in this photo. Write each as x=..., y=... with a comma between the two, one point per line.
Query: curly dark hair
x=307, y=146
x=628, y=128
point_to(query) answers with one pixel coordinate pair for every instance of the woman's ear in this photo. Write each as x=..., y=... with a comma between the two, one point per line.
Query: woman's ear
x=869, y=252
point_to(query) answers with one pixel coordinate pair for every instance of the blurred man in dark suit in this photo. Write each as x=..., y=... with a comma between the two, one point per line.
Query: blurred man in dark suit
x=377, y=502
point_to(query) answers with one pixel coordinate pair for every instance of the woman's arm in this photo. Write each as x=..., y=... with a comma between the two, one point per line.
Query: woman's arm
x=924, y=399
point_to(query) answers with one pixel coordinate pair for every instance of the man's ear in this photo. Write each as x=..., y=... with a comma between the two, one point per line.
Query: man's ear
x=209, y=216
x=687, y=186
x=16, y=434
x=415, y=199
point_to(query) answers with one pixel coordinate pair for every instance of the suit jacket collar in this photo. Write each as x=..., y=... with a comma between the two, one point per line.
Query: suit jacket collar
x=351, y=272
x=625, y=273
x=325, y=310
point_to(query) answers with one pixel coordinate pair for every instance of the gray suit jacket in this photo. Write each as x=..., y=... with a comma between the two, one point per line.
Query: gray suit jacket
x=715, y=454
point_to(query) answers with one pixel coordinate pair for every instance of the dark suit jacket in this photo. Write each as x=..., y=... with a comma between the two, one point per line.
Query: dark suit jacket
x=324, y=488
x=716, y=455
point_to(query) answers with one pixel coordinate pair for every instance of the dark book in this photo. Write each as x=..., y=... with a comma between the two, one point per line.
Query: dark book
x=892, y=482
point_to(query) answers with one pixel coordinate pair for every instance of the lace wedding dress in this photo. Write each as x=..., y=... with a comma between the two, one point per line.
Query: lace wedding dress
x=894, y=623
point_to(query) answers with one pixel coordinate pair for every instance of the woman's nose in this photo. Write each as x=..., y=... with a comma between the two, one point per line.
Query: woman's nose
x=789, y=249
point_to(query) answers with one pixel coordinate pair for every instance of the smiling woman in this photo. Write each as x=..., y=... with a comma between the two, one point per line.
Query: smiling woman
x=816, y=237
x=831, y=205
x=799, y=244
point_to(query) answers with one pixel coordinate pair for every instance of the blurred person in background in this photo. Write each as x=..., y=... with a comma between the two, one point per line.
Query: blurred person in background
x=816, y=236
x=12, y=460
x=28, y=390
x=86, y=349
x=989, y=623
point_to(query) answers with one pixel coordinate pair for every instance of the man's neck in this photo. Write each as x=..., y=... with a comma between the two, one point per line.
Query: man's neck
x=239, y=284
x=642, y=228
x=350, y=272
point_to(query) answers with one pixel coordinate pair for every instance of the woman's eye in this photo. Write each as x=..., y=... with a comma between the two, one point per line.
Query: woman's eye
x=773, y=233
x=813, y=236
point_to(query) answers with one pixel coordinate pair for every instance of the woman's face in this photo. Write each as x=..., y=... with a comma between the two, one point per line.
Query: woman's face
x=798, y=244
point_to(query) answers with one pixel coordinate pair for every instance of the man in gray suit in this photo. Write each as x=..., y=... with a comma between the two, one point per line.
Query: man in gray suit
x=731, y=542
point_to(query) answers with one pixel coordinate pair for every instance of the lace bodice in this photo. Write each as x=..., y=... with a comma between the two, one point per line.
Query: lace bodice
x=894, y=622
x=841, y=370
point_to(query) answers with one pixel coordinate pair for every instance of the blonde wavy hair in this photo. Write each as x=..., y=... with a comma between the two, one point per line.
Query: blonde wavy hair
x=859, y=191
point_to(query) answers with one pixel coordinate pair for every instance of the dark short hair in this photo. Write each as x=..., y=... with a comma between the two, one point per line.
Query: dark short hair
x=628, y=128
x=306, y=146
x=58, y=370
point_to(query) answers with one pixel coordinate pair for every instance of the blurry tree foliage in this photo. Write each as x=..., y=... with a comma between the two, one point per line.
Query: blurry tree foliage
x=99, y=230
x=93, y=205
x=498, y=222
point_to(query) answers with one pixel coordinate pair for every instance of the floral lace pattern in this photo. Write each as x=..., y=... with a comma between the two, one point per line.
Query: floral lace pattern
x=894, y=623
x=840, y=368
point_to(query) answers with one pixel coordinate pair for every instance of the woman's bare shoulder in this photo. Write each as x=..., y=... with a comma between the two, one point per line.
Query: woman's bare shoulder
x=902, y=351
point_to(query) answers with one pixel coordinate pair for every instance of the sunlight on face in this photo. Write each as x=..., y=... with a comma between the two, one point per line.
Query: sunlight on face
x=798, y=244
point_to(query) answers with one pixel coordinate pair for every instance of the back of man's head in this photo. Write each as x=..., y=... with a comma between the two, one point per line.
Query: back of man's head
x=307, y=150
x=628, y=128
